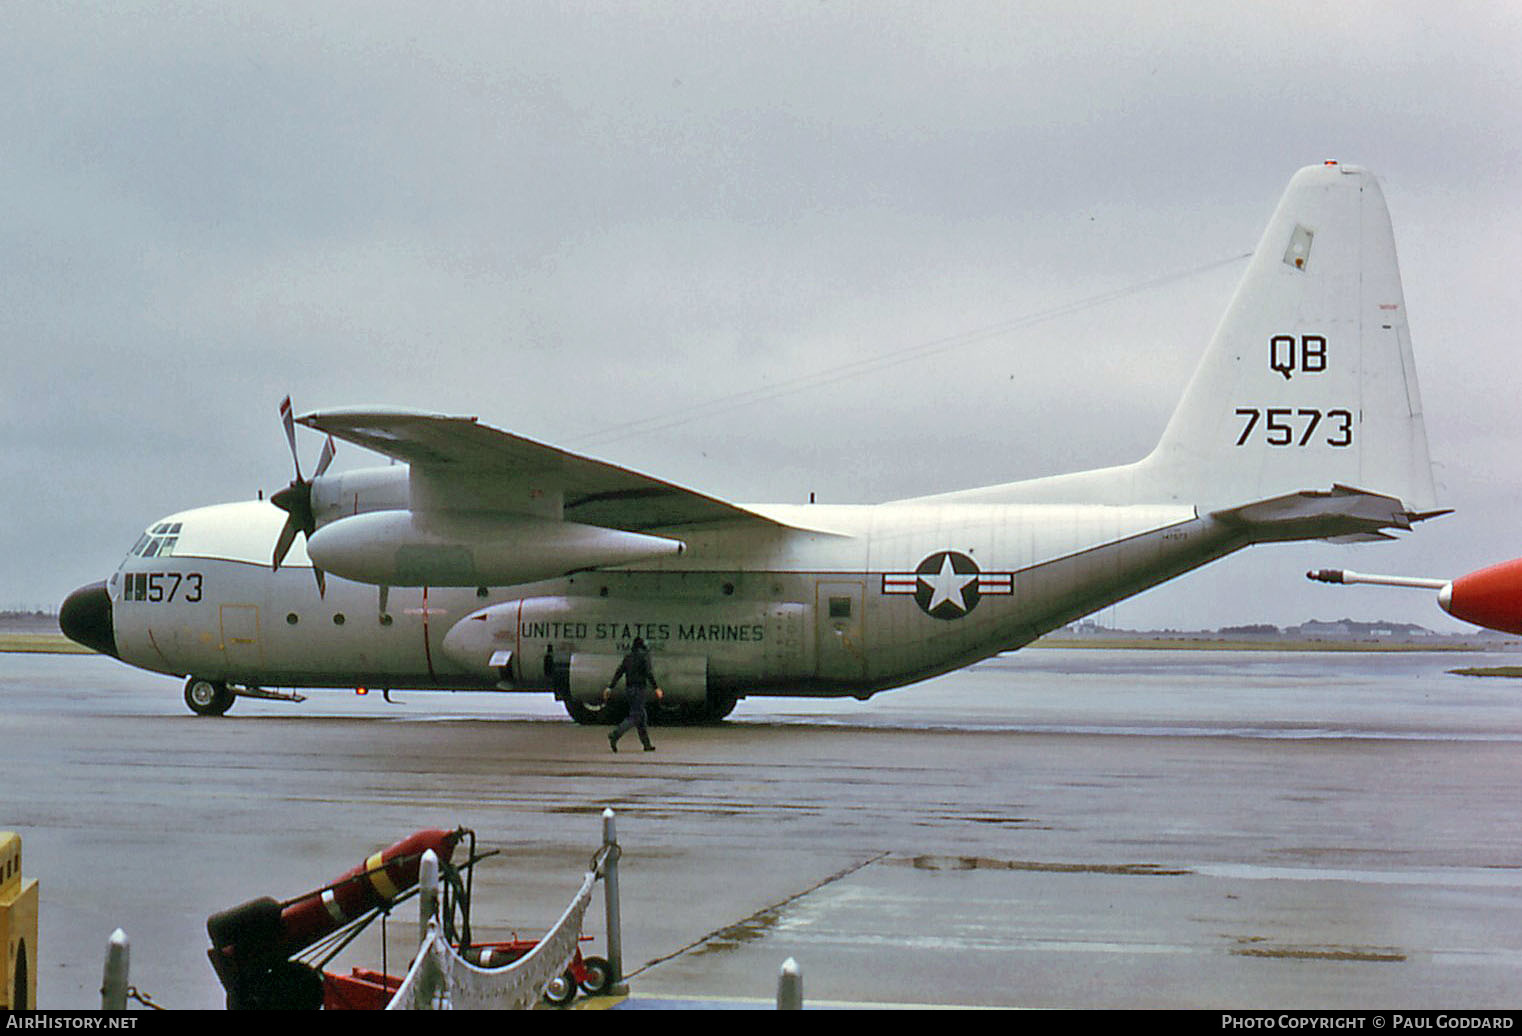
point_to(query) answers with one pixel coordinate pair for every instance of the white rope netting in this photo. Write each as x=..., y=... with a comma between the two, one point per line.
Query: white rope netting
x=440, y=979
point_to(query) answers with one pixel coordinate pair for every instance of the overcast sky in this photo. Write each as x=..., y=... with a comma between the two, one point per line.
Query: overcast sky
x=568, y=217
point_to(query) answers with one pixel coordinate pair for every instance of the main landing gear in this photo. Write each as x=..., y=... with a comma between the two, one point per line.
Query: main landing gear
x=716, y=708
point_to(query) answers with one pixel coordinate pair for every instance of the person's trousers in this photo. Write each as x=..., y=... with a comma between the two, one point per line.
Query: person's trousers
x=636, y=718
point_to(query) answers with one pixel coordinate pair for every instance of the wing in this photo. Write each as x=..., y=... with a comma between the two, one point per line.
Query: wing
x=475, y=467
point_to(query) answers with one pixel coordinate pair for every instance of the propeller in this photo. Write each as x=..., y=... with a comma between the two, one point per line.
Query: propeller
x=296, y=499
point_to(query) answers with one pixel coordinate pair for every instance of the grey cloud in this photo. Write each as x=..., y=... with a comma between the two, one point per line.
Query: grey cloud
x=532, y=211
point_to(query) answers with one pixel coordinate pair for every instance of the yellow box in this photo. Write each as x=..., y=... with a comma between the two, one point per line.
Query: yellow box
x=18, y=929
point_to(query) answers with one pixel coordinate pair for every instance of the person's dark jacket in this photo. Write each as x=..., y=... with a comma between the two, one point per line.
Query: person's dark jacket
x=636, y=670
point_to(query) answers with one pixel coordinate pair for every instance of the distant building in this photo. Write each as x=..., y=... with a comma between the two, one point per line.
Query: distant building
x=1350, y=629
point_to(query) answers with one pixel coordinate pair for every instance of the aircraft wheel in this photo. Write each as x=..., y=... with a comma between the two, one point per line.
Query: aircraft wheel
x=661, y=713
x=582, y=714
x=708, y=712
x=718, y=706
x=208, y=697
x=593, y=715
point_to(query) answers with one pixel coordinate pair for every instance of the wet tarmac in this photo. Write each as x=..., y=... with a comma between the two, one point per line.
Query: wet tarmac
x=1057, y=828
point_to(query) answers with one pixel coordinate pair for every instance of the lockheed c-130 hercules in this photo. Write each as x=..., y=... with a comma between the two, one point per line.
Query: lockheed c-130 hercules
x=487, y=561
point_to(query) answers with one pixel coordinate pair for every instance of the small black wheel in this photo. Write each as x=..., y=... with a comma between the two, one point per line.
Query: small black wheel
x=596, y=714
x=561, y=990
x=668, y=713
x=718, y=706
x=584, y=713
x=599, y=976
x=208, y=697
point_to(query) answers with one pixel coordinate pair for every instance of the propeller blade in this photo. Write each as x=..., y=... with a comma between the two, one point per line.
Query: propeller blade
x=283, y=544
x=288, y=419
x=296, y=499
x=328, y=450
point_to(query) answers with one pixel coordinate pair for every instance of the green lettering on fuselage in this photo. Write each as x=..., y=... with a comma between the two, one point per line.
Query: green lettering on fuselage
x=652, y=632
x=721, y=632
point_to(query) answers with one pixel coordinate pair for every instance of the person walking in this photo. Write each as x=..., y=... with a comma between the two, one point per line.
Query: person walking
x=639, y=678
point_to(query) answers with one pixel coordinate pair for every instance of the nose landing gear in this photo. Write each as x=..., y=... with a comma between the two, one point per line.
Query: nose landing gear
x=208, y=697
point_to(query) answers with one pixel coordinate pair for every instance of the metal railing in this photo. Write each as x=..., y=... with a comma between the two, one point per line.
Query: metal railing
x=441, y=979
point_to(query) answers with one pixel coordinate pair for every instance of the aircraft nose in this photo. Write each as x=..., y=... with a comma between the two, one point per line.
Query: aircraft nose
x=85, y=618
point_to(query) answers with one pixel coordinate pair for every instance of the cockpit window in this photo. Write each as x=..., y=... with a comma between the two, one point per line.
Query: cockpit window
x=158, y=542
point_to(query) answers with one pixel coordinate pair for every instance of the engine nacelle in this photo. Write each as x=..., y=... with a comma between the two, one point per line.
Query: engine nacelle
x=361, y=491
x=401, y=548
x=573, y=644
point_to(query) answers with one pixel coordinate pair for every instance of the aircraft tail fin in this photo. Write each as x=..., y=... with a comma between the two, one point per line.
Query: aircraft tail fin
x=1307, y=392
x=1309, y=381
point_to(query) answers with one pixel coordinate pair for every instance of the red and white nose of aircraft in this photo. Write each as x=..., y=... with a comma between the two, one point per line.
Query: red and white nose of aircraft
x=1491, y=597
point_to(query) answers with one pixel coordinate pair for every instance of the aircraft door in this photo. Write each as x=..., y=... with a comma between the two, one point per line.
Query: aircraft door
x=240, y=637
x=840, y=629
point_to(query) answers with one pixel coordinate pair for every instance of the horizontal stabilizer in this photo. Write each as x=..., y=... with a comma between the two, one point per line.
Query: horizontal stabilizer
x=1338, y=514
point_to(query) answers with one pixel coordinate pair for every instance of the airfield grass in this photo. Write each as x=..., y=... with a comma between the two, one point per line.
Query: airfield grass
x=1192, y=644
x=41, y=644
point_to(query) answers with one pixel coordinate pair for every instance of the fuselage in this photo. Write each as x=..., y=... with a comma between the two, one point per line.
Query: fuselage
x=835, y=600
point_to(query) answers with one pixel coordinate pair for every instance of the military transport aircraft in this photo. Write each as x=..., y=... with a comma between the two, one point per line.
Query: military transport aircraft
x=1489, y=597
x=487, y=561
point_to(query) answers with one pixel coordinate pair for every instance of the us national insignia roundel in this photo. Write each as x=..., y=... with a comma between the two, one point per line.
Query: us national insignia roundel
x=947, y=584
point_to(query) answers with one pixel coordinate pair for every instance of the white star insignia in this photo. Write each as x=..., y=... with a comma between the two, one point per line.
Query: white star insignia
x=947, y=585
